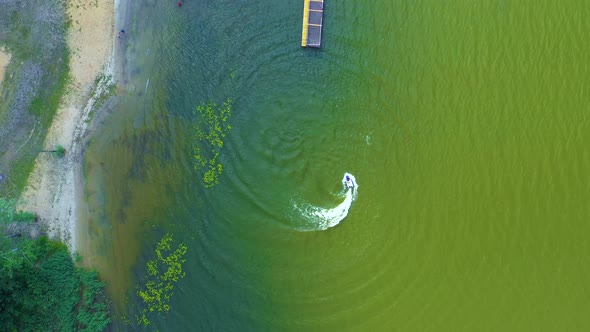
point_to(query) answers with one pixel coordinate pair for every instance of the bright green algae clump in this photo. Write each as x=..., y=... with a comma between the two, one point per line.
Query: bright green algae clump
x=210, y=130
x=162, y=273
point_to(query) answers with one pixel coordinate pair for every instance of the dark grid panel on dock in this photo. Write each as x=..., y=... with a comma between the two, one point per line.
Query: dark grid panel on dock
x=313, y=12
x=316, y=5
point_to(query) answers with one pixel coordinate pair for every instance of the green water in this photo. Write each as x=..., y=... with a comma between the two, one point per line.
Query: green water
x=465, y=124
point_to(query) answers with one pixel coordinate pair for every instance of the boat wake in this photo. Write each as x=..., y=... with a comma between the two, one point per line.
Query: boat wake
x=319, y=218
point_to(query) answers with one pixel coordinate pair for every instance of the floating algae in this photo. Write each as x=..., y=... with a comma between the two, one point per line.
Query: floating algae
x=210, y=131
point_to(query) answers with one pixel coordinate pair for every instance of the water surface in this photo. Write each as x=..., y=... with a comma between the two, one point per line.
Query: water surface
x=465, y=124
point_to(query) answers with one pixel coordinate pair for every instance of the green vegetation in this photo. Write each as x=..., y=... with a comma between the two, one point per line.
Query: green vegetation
x=59, y=151
x=162, y=274
x=210, y=130
x=36, y=80
x=9, y=214
x=22, y=165
x=104, y=88
x=42, y=290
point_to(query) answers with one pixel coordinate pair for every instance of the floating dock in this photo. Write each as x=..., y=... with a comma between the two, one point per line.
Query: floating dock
x=313, y=14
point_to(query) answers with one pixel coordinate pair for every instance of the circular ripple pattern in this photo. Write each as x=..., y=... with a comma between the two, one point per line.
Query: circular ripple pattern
x=470, y=161
x=301, y=118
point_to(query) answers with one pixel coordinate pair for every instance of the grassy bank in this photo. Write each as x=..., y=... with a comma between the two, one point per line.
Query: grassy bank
x=34, y=33
x=41, y=288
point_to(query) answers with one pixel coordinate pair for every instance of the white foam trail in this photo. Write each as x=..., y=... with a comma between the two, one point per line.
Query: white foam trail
x=319, y=218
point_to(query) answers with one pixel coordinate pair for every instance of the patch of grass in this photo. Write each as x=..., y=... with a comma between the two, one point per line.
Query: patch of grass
x=25, y=216
x=51, y=100
x=9, y=214
x=39, y=44
x=44, y=106
x=37, y=106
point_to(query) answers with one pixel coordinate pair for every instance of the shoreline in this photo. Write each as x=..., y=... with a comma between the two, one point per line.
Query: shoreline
x=55, y=188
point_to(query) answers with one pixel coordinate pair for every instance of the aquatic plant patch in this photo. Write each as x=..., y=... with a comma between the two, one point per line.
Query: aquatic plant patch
x=211, y=128
x=163, y=273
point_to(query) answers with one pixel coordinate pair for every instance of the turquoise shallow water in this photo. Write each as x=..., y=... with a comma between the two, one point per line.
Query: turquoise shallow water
x=465, y=124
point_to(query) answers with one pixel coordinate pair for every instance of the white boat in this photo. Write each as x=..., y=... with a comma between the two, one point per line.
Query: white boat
x=348, y=181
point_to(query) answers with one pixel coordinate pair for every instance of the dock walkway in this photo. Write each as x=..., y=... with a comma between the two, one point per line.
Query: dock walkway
x=313, y=14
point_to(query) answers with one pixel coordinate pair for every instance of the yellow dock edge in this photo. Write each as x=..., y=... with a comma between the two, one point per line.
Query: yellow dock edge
x=305, y=23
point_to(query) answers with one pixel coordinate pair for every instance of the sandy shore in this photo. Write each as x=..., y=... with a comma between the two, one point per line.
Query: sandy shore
x=4, y=60
x=56, y=184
